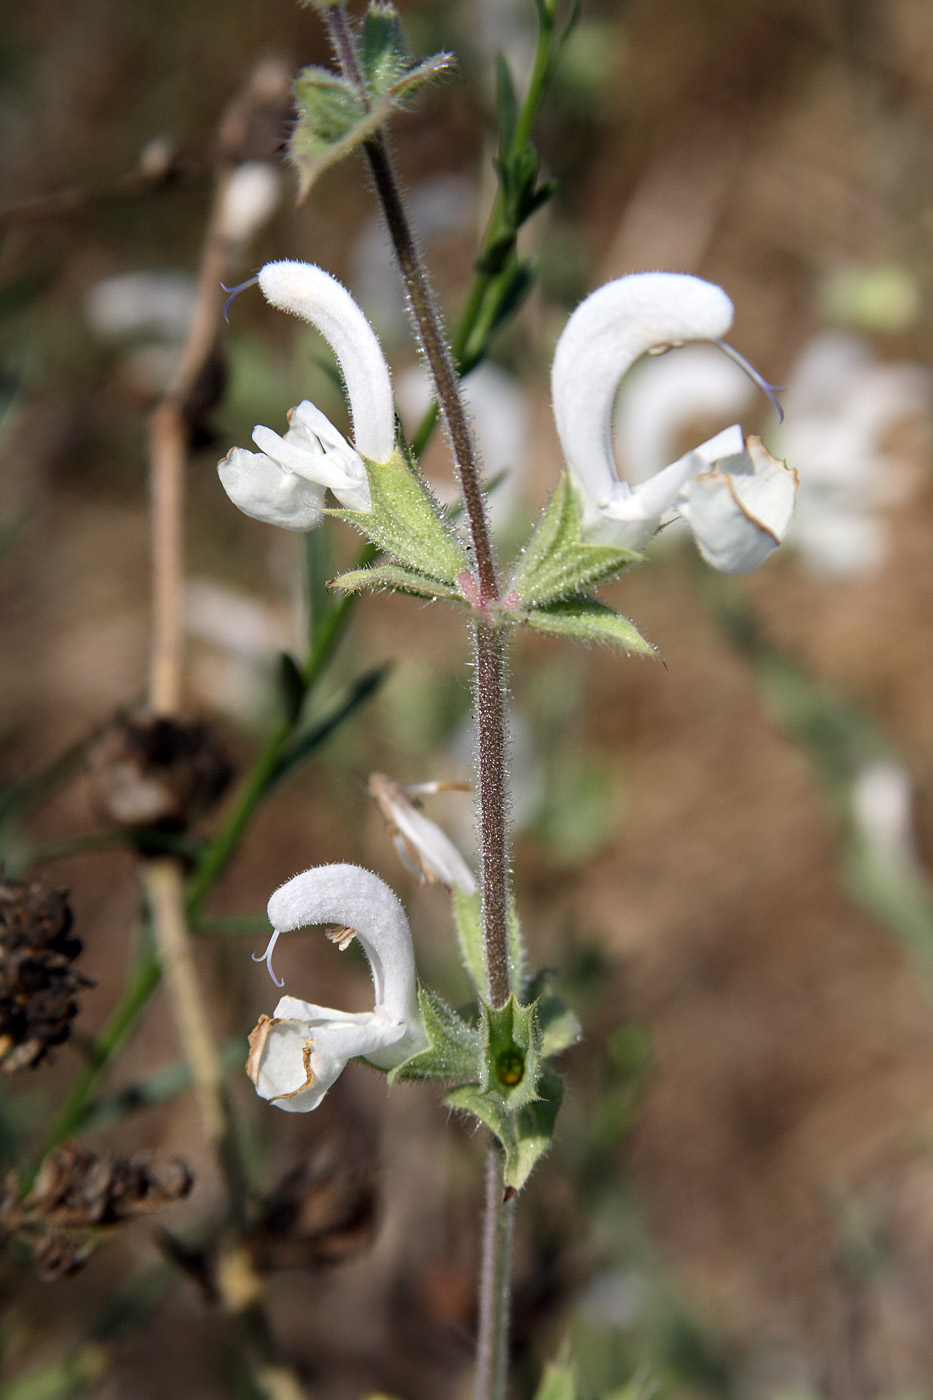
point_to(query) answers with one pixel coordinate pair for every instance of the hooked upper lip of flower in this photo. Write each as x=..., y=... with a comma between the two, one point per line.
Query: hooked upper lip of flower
x=738, y=499
x=285, y=482
x=296, y=1054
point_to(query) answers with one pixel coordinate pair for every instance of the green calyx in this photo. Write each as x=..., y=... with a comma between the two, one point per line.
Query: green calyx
x=497, y=1061
x=558, y=562
x=406, y=523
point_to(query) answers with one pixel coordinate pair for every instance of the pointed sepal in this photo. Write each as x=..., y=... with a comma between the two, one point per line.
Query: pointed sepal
x=558, y=561
x=397, y=578
x=455, y=1050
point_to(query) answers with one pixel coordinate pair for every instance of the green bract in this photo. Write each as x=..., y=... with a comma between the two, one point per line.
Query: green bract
x=588, y=620
x=334, y=116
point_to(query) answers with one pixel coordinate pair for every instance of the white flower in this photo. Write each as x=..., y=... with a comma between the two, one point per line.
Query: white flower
x=285, y=482
x=422, y=847
x=249, y=200
x=297, y=1053
x=737, y=499
x=882, y=813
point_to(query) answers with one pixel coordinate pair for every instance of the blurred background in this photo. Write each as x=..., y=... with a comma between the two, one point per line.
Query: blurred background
x=725, y=858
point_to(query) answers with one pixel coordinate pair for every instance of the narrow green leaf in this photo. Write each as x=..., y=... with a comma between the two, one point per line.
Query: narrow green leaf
x=557, y=561
x=396, y=577
x=406, y=522
x=588, y=620
x=506, y=102
x=360, y=691
x=456, y=1048
x=468, y=921
x=291, y=686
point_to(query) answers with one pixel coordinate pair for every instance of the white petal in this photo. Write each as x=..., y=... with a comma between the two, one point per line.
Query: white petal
x=294, y=1060
x=309, y=292
x=250, y=199
x=263, y=489
x=438, y=854
x=606, y=334
x=316, y=466
x=741, y=509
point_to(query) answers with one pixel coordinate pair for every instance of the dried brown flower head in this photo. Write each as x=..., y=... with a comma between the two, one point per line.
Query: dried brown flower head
x=37, y=981
x=151, y=771
x=77, y=1193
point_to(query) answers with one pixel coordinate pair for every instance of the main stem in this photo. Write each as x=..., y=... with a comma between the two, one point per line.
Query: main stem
x=489, y=707
x=492, y=1350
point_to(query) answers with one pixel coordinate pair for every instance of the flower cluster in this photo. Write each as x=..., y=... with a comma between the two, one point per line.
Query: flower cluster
x=736, y=497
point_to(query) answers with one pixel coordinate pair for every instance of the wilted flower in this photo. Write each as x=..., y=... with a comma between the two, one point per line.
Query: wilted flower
x=286, y=481
x=421, y=845
x=297, y=1053
x=736, y=497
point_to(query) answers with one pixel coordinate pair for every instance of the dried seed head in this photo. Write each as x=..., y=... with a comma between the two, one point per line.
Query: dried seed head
x=79, y=1192
x=76, y=1187
x=37, y=982
x=150, y=771
x=324, y=1212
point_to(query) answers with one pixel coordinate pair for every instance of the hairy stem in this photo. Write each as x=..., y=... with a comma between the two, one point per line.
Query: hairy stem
x=489, y=707
x=492, y=1346
x=489, y=701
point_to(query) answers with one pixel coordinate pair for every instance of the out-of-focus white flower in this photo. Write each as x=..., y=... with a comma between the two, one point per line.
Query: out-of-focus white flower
x=501, y=421
x=737, y=499
x=882, y=811
x=286, y=481
x=841, y=404
x=240, y=639
x=667, y=394
x=441, y=208
x=249, y=200
x=297, y=1053
x=422, y=846
x=146, y=315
